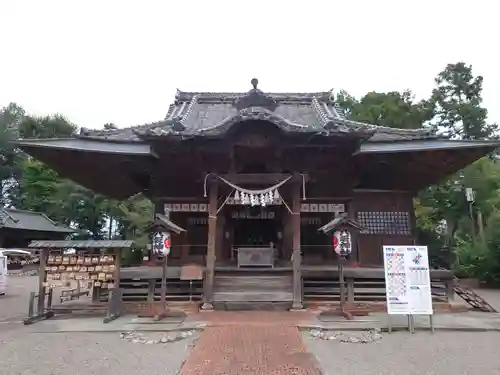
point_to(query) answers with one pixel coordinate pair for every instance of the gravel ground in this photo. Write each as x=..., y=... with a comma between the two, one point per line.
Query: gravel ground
x=14, y=305
x=444, y=353
x=23, y=352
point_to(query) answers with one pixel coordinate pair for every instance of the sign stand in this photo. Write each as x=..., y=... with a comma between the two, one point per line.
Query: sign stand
x=408, y=288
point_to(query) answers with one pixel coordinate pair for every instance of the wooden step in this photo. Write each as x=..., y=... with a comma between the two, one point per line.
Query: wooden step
x=253, y=282
x=253, y=296
x=250, y=306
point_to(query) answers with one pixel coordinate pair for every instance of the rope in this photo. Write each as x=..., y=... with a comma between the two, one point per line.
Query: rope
x=255, y=192
x=225, y=201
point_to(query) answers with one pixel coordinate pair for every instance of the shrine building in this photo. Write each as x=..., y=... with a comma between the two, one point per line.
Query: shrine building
x=252, y=176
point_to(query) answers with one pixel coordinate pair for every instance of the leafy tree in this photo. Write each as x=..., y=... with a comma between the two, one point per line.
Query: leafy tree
x=11, y=117
x=457, y=100
x=394, y=109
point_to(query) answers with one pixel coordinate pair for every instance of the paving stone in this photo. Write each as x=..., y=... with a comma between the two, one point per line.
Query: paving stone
x=255, y=350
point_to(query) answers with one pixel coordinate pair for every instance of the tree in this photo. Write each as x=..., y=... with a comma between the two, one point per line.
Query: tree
x=11, y=117
x=393, y=109
x=457, y=100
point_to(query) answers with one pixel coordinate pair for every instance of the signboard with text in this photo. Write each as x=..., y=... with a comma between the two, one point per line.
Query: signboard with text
x=407, y=280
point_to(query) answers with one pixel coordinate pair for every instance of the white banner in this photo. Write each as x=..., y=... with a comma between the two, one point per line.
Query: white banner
x=407, y=280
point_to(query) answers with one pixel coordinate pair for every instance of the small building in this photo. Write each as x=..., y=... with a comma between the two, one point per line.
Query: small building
x=19, y=227
x=252, y=176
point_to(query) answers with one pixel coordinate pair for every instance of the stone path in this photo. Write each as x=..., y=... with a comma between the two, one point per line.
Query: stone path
x=250, y=350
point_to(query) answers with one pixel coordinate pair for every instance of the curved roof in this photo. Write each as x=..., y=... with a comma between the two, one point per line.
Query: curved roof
x=212, y=114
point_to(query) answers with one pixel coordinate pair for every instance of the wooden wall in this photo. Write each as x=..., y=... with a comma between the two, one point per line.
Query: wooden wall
x=388, y=219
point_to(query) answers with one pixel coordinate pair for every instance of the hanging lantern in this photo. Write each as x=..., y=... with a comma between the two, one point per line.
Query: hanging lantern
x=342, y=243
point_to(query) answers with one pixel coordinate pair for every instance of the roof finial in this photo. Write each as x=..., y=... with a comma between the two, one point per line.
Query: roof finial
x=254, y=83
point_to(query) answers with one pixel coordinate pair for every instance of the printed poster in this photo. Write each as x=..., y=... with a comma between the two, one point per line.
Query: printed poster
x=407, y=278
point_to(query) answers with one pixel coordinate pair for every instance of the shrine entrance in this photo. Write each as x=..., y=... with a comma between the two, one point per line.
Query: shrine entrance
x=256, y=236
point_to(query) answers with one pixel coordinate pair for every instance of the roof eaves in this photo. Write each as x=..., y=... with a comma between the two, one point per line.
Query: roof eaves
x=86, y=144
x=424, y=145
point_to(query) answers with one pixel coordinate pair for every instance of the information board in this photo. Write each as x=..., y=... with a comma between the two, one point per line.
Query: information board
x=407, y=279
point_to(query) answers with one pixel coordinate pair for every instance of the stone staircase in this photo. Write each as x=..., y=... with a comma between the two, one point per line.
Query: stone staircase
x=253, y=289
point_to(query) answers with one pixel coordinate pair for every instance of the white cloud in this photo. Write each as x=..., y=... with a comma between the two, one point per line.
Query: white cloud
x=99, y=61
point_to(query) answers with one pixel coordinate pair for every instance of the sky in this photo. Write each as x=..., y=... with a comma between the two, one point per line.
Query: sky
x=121, y=61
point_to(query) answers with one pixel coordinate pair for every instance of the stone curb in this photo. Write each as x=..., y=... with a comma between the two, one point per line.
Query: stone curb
x=120, y=329
x=399, y=328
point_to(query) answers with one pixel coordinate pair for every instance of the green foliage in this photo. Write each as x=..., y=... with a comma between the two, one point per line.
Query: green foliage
x=444, y=221
x=457, y=100
x=394, y=109
x=32, y=185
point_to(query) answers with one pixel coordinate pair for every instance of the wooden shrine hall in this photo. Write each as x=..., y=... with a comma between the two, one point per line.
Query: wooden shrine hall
x=252, y=177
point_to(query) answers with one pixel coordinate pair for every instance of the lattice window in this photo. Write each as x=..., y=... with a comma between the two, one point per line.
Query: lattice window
x=379, y=222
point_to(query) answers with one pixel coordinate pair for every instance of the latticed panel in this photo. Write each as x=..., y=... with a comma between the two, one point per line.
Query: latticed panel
x=385, y=222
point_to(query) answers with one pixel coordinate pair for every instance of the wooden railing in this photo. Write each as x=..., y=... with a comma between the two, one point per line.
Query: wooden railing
x=149, y=290
x=364, y=289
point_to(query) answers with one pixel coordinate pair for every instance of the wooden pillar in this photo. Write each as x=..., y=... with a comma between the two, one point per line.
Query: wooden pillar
x=351, y=214
x=44, y=254
x=296, y=254
x=208, y=283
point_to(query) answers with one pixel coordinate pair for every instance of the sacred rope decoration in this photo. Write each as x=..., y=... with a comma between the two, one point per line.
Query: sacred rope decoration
x=261, y=197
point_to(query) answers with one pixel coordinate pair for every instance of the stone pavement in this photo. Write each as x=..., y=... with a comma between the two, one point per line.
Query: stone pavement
x=469, y=321
x=252, y=350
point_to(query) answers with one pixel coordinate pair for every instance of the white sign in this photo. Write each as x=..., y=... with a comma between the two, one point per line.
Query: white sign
x=407, y=280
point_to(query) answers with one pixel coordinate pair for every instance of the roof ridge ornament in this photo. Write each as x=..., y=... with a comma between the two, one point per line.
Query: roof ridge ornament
x=255, y=98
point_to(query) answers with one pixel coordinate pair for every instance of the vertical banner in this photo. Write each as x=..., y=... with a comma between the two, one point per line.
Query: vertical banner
x=407, y=280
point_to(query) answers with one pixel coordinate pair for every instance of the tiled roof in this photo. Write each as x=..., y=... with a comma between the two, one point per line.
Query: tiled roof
x=80, y=244
x=212, y=114
x=29, y=220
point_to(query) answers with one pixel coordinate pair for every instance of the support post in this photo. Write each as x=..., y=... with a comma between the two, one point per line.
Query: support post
x=296, y=254
x=208, y=282
x=41, y=280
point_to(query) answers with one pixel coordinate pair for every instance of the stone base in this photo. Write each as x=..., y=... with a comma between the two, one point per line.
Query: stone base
x=207, y=306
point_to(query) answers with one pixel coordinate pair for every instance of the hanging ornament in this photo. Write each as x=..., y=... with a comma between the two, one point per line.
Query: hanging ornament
x=252, y=200
x=237, y=196
x=243, y=198
x=270, y=197
x=263, y=200
x=276, y=195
